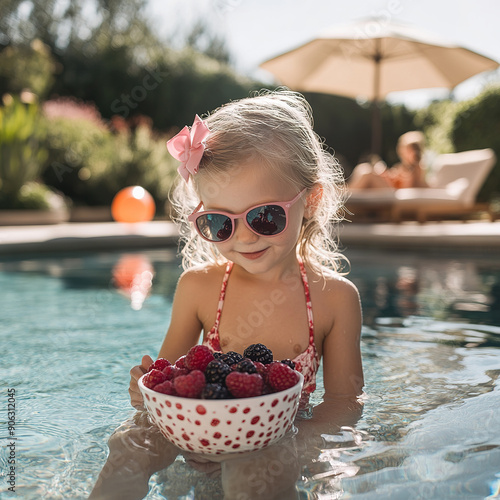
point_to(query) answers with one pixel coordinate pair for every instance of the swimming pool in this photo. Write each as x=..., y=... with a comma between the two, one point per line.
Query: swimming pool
x=430, y=426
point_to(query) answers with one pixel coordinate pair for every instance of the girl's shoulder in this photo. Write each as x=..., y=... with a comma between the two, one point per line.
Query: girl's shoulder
x=334, y=298
x=197, y=294
x=203, y=275
x=332, y=286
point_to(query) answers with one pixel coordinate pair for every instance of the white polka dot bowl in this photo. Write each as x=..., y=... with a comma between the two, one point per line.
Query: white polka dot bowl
x=218, y=426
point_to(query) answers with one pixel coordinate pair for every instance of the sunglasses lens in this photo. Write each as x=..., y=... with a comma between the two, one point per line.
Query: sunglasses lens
x=267, y=220
x=214, y=227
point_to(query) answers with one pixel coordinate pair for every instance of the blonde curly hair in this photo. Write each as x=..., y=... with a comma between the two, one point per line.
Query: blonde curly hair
x=275, y=127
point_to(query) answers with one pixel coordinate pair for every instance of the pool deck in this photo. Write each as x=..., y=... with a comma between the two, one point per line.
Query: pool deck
x=477, y=237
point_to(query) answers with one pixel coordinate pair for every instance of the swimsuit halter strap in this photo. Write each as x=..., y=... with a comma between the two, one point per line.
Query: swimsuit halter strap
x=222, y=295
x=308, y=300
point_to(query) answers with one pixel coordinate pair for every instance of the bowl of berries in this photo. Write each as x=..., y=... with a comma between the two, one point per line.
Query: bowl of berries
x=215, y=403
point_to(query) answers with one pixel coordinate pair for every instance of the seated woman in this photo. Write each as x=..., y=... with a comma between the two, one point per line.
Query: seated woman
x=409, y=172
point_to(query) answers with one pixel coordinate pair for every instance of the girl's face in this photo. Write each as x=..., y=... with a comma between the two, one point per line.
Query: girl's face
x=240, y=188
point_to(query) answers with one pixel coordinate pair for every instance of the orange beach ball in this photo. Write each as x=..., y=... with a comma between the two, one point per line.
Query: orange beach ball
x=133, y=204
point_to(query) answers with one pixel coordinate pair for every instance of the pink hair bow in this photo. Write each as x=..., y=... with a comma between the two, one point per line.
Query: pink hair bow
x=188, y=147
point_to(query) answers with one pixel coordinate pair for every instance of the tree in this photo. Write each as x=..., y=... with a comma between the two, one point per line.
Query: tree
x=78, y=24
x=27, y=67
x=201, y=39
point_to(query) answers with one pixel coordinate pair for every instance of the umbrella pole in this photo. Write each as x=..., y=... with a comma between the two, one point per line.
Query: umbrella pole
x=376, y=147
x=376, y=115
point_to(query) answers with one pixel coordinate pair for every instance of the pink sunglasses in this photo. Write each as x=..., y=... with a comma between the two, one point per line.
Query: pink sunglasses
x=270, y=219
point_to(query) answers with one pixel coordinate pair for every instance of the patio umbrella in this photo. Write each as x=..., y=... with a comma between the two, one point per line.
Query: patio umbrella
x=372, y=58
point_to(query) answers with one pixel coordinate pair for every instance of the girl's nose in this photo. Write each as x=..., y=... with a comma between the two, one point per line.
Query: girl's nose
x=243, y=234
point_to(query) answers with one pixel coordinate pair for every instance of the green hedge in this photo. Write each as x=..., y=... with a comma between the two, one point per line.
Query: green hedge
x=461, y=126
x=169, y=88
x=90, y=161
x=476, y=126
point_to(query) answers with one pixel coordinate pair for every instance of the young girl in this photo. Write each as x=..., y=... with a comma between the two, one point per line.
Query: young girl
x=259, y=200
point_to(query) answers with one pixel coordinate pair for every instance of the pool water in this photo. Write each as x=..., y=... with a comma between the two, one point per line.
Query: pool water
x=73, y=325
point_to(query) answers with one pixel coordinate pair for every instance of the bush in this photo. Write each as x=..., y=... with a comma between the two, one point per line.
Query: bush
x=79, y=144
x=452, y=126
x=90, y=161
x=21, y=150
x=477, y=126
x=141, y=158
x=436, y=121
x=34, y=196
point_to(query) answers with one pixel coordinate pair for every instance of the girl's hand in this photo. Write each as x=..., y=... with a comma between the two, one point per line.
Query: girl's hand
x=135, y=374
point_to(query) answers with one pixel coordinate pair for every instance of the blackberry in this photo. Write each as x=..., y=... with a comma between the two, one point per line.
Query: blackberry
x=245, y=365
x=289, y=363
x=216, y=371
x=259, y=352
x=215, y=391
x=230, y=358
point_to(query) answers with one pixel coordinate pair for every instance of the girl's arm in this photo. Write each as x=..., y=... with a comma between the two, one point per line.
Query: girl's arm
x=183, y=332
x=185, y=324
x=342, y=369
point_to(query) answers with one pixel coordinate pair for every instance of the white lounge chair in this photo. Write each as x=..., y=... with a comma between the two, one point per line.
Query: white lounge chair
x=453, y=190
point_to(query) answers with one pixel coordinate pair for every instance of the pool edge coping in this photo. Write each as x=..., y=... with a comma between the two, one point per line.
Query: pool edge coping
x=470, y=236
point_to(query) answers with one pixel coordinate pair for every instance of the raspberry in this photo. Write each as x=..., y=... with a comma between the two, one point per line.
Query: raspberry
x=245, y=365
x=244, y=385
x=179, y=371
x=153, y=378
x=261, y=369
x=181, y=362
x=259, y=352
x=198, y=357
x=217, y=371
x=289, y=363
x=169, y=371
x=166, y=387
x=215, y=391
x=190, y=385
x=281, y=376
x=159, y=364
